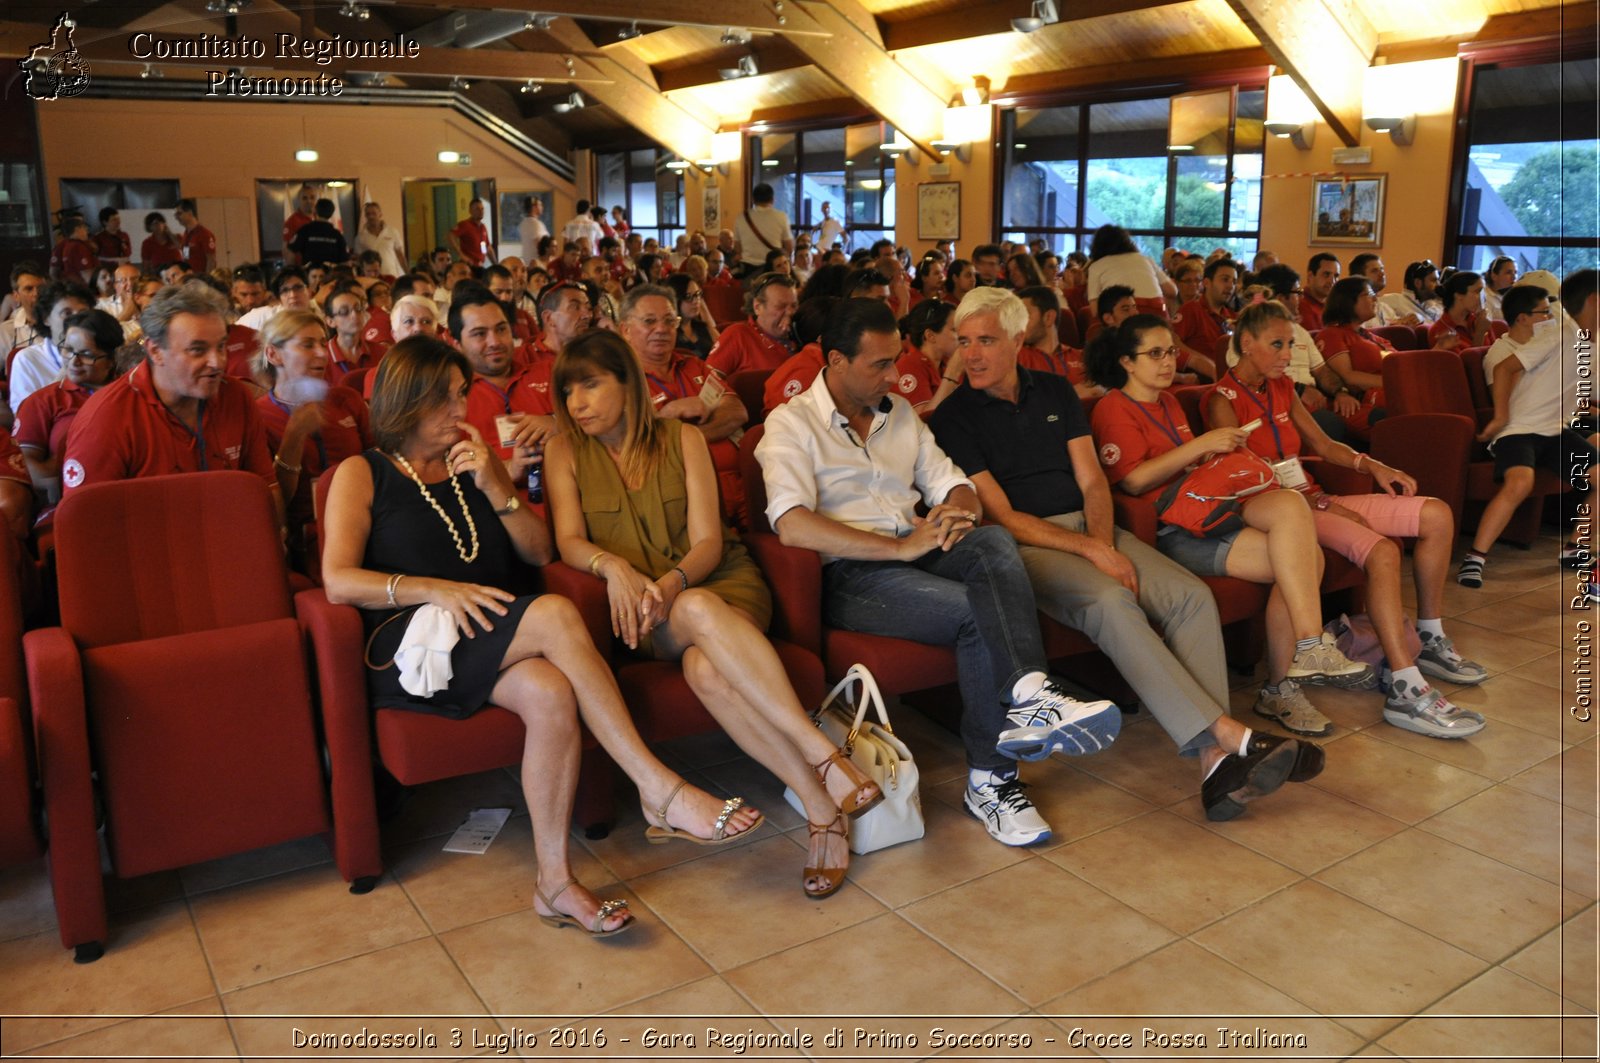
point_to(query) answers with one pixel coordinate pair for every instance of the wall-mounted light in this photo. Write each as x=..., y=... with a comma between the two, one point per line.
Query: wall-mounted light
x=893, y=146
x=726, y=147
x=306, y=155
x=676, y=165
x=459, y=84
x=963, y=126
x=448, y=157
x=1401, y=128
x=1044, y=13
x=770, y=163
x=573, y=102
x=977, y=93
x=1290, y=115
x=530, y=87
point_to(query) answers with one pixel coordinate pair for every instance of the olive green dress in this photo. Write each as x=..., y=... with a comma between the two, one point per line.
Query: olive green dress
x=649, y=528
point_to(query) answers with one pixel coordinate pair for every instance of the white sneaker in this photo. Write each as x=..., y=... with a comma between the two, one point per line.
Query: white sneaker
x=1431, y=713
x=1009, y=816
x=1053, y=721
x=1440, y=660
x=1324, y=665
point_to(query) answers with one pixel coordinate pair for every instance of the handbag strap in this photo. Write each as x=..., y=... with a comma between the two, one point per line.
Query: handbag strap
x=870, y=695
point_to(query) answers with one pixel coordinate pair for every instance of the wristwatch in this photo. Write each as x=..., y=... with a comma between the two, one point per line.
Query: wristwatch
x=1322, y=501
x=513, y=503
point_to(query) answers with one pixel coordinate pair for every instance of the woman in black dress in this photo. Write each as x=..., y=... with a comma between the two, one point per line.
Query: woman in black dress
x=431, y=518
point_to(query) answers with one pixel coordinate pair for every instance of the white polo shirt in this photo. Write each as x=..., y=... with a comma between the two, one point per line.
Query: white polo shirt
x=1547, y=393
x=810, y=457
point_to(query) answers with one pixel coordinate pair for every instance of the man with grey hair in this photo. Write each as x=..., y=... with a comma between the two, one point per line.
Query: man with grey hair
x=1024, y=441
x=176, y=411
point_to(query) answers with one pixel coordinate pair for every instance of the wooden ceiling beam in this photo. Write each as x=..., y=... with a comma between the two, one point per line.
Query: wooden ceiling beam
x=755, y=15
x=1575, y=22
x=1325, y=46
x=771, y=54
x=981, y=20
x=1222, y=67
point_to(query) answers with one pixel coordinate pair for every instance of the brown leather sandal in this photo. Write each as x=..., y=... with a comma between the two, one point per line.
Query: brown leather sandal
x=834, y=875
x=560, y=919
x=853, y=804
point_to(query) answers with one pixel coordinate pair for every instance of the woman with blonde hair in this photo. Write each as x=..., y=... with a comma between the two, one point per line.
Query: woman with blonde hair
x=634, y=499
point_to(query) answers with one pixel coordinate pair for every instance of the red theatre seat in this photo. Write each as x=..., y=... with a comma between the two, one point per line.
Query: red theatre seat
x=19, y=827
x=1400, y=337
x=726, y=303
x=178, y=678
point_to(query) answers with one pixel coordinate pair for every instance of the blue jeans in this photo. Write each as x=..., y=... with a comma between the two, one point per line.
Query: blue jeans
x=976, y=596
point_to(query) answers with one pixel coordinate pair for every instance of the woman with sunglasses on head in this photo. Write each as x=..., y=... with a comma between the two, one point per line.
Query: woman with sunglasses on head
x=89, y=343
x=634, y=499
x=1256, y=391
x=929, y=281
x=1147, y=446
x=697, y=333
x=1464, y=322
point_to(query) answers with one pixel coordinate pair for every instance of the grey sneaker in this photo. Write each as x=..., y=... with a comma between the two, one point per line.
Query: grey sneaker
x=1440, y=660
x=1009, y=816
x=1324, y=665
x=1428, y=712
x=1290, y=709
x=1053, y=721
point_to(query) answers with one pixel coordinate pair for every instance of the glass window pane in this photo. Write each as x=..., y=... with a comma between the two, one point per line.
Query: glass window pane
x=1041, y=157
x=775, y=160
x=1126, y=183
x=611, y=180
x=1244, y=207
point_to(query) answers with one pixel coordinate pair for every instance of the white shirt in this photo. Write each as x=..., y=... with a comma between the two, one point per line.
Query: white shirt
x=1131, y=269
x=770, y=230
x=1396, y=305
x=17, y=332
x=581, y=227
x=530, y=231
x=387, y=244
x=829, y=232
x=810, y=457
x=35, y=367
x=1541, y=400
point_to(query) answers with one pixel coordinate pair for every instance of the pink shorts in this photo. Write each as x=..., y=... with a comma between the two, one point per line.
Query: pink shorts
x=1386, y=515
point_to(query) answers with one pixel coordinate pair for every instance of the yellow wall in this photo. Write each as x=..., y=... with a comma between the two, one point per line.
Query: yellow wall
x=219, y=150
x=1416, y=208
x=977, y=197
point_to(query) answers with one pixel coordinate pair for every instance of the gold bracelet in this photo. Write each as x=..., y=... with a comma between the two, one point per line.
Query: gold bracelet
x=1360, y=457
x=594, y=563
x=285, y=466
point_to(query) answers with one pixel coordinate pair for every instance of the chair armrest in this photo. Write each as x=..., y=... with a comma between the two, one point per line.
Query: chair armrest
x=1136, y=515
x=19, y=827
x=588, y=593
x=61, y=742
x=338, y=648
x=1338, y=480
x=795, y=576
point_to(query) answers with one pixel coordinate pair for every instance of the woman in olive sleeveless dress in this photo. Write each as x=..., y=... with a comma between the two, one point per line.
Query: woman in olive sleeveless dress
x=634, y=500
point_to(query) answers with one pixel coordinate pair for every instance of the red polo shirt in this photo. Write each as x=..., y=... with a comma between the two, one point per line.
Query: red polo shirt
x=124, y=432
x=366, y=355
x=486, y=401
x=474, y=239
x=45, y=416
x=919, y=380
x=73, y=260
x=792, y=377
x=379, y=330
x=683, y=378
x=1064, y=361
x=113, y=244
x=1310, y=313
x=1201, y=327
x=155, y=254
x=1129, y=433
x=292, y=225
x=1444, y=327
x=743, y=346
x=346, y=430
x=242, y=346
x=199, y=248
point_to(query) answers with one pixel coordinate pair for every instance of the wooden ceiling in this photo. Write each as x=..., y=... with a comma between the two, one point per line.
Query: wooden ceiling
x=845, y=58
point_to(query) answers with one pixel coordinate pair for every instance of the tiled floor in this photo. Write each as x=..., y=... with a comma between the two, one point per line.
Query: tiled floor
x=1421, y=899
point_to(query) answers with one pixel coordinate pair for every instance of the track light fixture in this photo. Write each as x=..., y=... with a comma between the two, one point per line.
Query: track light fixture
x=733, y=36
x=745, y=68
x=538, y=22
x=1044, y=13
x=629, y=32
x=530, y=87
x=573, y=102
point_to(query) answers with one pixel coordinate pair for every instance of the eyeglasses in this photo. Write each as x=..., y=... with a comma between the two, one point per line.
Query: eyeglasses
x=692, y=296
x=290, y=289
x=346, y=311
x=650, y=324
x=84, y=357
x=1160, y=354
x=1295, y=291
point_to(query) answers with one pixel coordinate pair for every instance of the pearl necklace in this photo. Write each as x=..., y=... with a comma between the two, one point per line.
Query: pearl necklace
x=472, y=529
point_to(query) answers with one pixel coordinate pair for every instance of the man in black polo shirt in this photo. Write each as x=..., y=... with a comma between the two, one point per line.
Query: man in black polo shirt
x=1024, y=441
x=320, y=240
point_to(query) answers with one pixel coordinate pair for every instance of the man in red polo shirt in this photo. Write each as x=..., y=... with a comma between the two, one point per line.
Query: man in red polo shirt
x=1205, y=321
x=503, y=287
x=481, y=326
x=176, y=411
x=305, y=204
x=762, y=341
x=1322, y=273
x=1042, y=349
x=73, y=259
x=111, y=243
x=470, y=238
x=199, y=243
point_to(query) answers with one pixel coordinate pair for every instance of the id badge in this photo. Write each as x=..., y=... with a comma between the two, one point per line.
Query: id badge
x=505, y=426
x=712, y=391
x=1290, y=474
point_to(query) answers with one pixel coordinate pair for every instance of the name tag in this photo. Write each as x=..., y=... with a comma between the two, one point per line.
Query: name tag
x=1291, y=474
x=712, y=391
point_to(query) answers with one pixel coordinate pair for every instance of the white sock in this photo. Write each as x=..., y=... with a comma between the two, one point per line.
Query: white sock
x=1430, y=628
x=1408, y=681
x=1026, y=688
x=977, y=777
x=1244, y=743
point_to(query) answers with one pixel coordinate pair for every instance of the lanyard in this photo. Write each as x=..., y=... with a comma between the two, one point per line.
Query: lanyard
x=505, y=396
x=322, y=450
x=677, y=374
x=198, y=433
x=1272, y=420
x=1169, y=429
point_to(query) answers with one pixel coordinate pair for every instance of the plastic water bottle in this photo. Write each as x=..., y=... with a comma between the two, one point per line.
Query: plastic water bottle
x=536, y=482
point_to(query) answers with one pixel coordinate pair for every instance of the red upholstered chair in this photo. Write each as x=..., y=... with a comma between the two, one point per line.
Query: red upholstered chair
x=1401, y=337
x=1478, y=384
x=1088, y=324
x=19, y=825
x=179, y=676
x=748, y=386
x=356, y=379
x=1077, y=298
x=1067, y=328
x=1426, y=381
x=726, y=303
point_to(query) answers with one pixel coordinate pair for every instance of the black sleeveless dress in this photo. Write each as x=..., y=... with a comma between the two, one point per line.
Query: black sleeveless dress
x=408, y=536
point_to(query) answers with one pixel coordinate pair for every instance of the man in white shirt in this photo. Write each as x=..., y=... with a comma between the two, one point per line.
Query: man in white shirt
x=1540, y=373
x=378, y=235
x=760, y=229
x=583, y=227
x=43, y=362
x=846, y=464
x=1371, y=267
x=531, y=229
x=22, y=328
x=1419, y=298
x=831, y=231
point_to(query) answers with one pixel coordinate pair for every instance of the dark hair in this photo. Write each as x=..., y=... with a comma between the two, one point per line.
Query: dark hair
x=27, y=269
x=367, y=258
x=496, y=271
x=546, y=242
x=644, y=266
x=250, y=275
x=986, y=251
x=879, y=245
x=606, y=244
x=1029, y=267
x=411, y=381
x=1456, y=285
x=930, y=315
x=1521, y=299
x=177, y=264
x=859, y=280
x=107, y=213
x=101, y=327
x=583, y=206
x=826, y=280
x=1497, y=262
x=773, y=256
x=1111, y=240
x=761, y=193
x=1416, y=271
x=957, y=266
x=188, y=205
x=1103, y=358
x=1042, y=296
x=1340, y=309
x=325, y=209
x=287, y=274
x=853, y=318
x=644, y=440
x=1109, y=297
x=1215, y=266
x=679, y=283
x=55, y=292
x=1577, y=288
x=1318, y=259
x=1359, y=264
x=151, y=219
x=1280, y=277
x=812, y=316
x=343, y=288
x=468, y=294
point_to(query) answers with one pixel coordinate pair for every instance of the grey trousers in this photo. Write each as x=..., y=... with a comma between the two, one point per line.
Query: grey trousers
x=1183, y=680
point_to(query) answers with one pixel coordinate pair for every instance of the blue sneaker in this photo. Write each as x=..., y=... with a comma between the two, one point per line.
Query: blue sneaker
x=1052, y=721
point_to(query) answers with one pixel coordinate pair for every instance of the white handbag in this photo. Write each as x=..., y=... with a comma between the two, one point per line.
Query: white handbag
x=879, y=755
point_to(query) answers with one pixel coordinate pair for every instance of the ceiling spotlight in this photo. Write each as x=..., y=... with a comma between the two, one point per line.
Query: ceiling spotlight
x=1044, y=13
x=538, y=22
x=151, y=71
x=226, y=7
x=746, y=68
x=529, y=87
x=573, y=102
x=356, y=10
x=733, y=36
x=459, y=84
x=628, y=32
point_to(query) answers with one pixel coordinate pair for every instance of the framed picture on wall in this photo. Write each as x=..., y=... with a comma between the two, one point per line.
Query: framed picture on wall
x=939, y=210
x=1347, y=211
x=711, y=209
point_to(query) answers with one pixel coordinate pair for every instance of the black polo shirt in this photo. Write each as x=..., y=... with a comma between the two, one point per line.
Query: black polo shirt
x=1022, y=445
